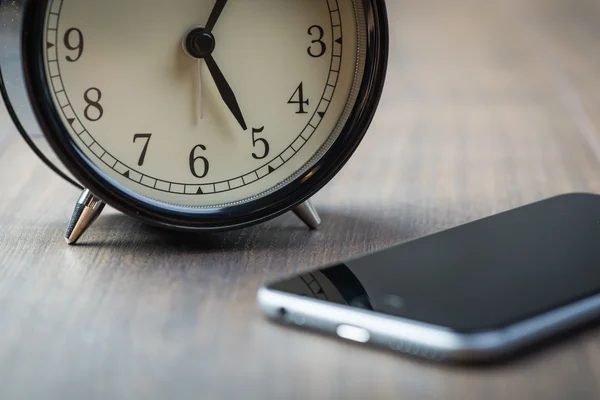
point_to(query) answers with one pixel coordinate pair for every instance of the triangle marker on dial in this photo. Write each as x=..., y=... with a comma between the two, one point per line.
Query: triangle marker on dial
x=271, y=169
x=49, y=45
x=321, y=114
x=71, y=121
x=126, y=174
x=339, y=40
x=199, y=191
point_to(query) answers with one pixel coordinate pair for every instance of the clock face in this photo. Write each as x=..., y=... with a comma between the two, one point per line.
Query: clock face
x=204, y=103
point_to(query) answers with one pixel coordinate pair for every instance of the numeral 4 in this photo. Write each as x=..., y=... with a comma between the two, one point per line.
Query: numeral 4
x=301, y=101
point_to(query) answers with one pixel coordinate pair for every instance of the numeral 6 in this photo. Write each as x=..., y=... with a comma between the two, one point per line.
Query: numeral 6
x=195, y=159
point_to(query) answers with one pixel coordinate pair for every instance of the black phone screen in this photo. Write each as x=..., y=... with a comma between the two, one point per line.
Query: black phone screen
x=480, y=276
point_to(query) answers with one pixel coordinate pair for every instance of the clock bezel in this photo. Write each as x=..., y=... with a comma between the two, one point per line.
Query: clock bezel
x=227, y=217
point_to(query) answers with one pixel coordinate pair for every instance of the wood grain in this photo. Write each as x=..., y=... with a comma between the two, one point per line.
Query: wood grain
x=475, y=120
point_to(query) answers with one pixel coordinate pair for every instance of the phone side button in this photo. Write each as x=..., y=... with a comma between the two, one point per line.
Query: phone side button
x=353, y=333
x=299, y=320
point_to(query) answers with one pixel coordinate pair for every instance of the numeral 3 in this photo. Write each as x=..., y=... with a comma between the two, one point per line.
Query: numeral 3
x=318, y=47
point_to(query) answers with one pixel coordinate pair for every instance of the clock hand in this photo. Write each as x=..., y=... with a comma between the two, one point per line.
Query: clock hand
x=225, y=90
x=200, y=89
x=199, y=43
x=215, y=14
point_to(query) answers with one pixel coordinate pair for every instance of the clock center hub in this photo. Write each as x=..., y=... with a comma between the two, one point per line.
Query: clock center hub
x=199, y=43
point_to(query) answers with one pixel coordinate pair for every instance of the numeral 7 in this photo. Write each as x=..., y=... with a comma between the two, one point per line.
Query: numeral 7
x=146, y=137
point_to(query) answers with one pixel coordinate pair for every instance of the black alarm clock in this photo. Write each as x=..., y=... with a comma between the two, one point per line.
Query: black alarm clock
x=195, y=114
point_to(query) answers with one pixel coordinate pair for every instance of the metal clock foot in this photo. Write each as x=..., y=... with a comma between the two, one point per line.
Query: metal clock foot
x=87, y=210
x=308, y=214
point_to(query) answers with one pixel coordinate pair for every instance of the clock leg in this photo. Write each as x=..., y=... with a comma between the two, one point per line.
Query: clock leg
x=308, y=214
x=87, y=210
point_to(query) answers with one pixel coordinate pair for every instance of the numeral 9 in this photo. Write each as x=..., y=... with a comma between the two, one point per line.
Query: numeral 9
x=74, y=41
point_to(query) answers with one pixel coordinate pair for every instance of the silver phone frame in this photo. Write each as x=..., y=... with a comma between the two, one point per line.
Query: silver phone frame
x=423, y=340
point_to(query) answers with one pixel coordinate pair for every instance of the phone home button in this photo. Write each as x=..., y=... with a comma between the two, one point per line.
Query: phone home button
x=353, y=333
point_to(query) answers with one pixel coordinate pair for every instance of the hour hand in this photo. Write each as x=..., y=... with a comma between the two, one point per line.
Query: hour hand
x=225, y=90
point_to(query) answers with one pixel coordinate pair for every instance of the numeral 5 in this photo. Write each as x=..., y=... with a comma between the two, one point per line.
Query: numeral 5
x=256, y=141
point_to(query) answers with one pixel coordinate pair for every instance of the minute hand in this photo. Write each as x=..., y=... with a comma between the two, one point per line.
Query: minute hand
x=215, y=14
x=225, y=90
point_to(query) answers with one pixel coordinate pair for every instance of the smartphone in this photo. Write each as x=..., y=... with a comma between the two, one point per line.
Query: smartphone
x=473, y=293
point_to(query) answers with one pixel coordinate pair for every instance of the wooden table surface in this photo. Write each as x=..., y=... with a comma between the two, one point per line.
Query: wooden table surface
x=488, y=106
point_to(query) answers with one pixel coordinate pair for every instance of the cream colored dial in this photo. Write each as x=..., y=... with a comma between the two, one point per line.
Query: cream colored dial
x=161, y=122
